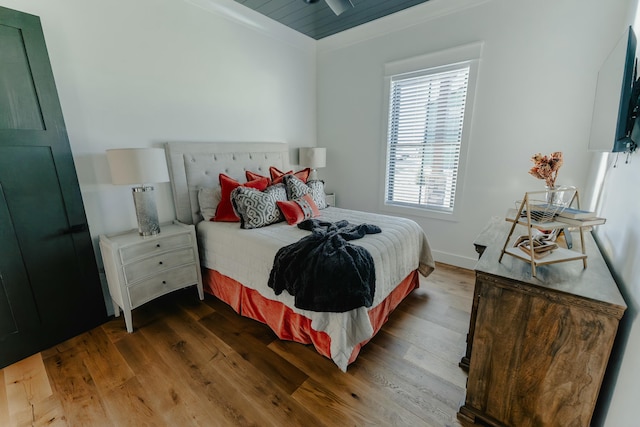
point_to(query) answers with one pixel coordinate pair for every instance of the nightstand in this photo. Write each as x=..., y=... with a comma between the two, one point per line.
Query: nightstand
x=330, y=199
x=140, y=269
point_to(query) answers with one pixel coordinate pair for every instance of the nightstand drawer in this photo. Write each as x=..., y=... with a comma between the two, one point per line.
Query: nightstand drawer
x=156, y=264
x=161, y=284
x=153, y=247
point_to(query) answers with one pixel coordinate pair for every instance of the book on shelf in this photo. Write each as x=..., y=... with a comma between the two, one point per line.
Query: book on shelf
x=569, y=216
x=582, y=222
x=541, y=246
x=574, y=213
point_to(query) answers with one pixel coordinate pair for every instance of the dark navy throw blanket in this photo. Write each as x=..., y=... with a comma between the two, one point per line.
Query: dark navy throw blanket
x=323, y=271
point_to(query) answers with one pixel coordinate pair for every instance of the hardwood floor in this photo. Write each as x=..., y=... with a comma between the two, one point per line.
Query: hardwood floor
x=199, y=363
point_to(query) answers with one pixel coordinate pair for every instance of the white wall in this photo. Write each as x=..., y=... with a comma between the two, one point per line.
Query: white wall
x=619, y=240
x=535, y=93
x=620, y=243
x=140, y=73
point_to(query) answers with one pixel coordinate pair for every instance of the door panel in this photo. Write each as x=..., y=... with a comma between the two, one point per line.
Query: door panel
x=14, y=281
x=18, y=94
x=39, y=219
x=50, y=285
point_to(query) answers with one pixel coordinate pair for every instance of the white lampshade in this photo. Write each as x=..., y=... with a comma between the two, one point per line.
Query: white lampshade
x=313, y=157
x=137, y=165
x=140, y=166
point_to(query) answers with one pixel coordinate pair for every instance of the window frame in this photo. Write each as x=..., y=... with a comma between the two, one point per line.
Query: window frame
x=467, y=55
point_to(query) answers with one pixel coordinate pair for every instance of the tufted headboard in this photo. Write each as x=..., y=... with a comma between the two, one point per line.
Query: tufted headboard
x=196, y=165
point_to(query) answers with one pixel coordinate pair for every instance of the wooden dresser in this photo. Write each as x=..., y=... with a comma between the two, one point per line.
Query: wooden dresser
x=537, y=347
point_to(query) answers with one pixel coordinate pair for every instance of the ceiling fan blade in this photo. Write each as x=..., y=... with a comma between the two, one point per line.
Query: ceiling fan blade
x=339, y=6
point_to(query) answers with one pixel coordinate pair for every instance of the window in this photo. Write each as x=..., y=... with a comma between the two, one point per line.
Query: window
x=428, y=124
x=426, y=119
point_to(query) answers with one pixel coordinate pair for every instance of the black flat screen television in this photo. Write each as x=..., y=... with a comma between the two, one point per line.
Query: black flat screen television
x=615, y=106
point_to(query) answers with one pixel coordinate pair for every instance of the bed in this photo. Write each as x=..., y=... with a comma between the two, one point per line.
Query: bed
x=237, y=262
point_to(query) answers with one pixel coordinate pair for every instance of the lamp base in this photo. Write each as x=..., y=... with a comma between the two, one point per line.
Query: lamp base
x=146, y=211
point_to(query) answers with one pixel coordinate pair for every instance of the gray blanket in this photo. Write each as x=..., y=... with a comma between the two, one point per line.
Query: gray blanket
x=323, y=271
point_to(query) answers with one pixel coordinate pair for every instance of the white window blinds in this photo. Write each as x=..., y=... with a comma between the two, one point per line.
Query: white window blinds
x=426, y=118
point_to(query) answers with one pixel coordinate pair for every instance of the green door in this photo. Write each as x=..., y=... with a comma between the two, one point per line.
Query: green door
x=49, y=284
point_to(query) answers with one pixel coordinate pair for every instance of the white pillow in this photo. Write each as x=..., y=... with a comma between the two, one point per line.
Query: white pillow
x=208, y=199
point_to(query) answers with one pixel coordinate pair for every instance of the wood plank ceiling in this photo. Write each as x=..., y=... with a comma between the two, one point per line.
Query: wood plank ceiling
x=317, y=20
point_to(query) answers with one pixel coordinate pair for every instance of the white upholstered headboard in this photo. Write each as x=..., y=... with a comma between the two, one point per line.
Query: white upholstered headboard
x=197, y=165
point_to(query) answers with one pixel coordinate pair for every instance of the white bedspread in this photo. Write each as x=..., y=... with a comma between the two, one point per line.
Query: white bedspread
x=247, y=257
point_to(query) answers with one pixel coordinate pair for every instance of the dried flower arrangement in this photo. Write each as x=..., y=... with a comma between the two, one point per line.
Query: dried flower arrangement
x=546, y=167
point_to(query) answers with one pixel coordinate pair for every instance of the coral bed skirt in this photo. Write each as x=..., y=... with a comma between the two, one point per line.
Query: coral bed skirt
x=292, y=326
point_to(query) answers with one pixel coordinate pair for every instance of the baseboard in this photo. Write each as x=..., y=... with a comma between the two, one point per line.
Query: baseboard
x=455, y=260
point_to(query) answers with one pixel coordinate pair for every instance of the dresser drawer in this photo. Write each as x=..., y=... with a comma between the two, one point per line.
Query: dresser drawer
x=161, y=284
x=154, y=246
x=157, y=264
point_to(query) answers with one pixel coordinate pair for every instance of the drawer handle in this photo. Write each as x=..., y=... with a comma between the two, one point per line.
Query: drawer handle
x=160, y=263
x=164, y=282
x=158, y=245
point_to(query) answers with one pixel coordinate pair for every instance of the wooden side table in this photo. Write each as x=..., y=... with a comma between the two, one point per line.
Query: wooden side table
x=537, y=347
x=139, y=269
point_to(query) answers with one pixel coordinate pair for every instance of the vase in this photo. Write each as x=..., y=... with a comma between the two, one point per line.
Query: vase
x=553, y=196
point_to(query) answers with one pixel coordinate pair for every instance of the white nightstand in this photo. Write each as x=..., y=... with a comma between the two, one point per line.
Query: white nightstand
x=140, y=269
x=330, y=199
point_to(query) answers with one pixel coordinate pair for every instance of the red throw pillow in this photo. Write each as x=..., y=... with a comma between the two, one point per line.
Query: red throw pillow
x=224, y=211
x=298, y=210
x=252, y=176
x=276, y=174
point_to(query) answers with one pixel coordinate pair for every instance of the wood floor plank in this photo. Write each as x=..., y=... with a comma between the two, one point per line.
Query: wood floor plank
x=69, y=376
x=328, y=407
x=353, y=392
x=198, y=366
x=129, y=404
x=438, y=308
x=427, y=335
x=74, y=386
x=195, y=308
x=26, y=383
x=185, y=324
x=51, y=413
x=193, y=363
x=437, y=365
x=249, y=327
x=4, y=403
x=256, y=382
x=115, y=329
x=282, y=373
x=180, y=404
x=107, y=366
x=275, y=406
x=428, y=396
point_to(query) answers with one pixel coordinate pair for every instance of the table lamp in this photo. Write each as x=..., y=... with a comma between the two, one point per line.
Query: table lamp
x=314, y=158
x=140, y=166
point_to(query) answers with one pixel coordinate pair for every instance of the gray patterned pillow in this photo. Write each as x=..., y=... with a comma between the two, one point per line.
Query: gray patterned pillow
x=258, y=208
x=317, y=193
x=279, y=190
x=296, y=188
